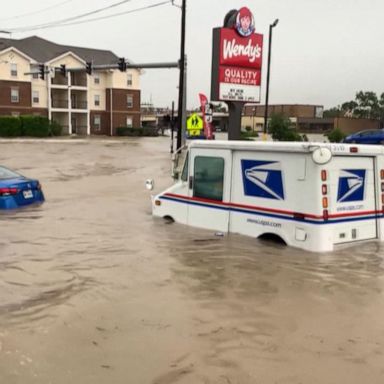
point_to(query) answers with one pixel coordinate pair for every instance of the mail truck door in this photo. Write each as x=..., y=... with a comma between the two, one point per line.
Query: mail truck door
x=352, y=208
x=209, y=188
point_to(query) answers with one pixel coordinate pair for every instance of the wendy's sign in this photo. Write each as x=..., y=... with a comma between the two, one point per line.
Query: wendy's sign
x=236, y=60
x=240, y=51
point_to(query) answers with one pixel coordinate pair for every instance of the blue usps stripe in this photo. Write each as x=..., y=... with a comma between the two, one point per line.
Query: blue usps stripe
x=351, y=185
x=262, y=179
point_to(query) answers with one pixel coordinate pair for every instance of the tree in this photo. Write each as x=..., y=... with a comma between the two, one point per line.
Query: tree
x=365, y=106
x=333, y=112
x=281, y=129
x=348, y=108
x=368, y=105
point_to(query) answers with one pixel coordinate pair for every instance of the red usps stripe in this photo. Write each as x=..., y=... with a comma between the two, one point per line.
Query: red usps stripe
x=238, y=75
x=240, y=51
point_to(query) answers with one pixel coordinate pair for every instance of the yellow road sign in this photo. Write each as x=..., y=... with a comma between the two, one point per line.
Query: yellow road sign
x=195, y=122
x=193, y=132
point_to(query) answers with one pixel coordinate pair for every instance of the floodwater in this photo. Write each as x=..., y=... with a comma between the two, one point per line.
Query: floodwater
x=94, y=290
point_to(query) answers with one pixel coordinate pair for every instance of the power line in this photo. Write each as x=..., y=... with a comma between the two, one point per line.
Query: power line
x=61, y=21
x=95, y=19
x=36, y=12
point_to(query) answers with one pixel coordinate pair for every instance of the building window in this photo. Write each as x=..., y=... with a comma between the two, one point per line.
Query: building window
x=129, y=122
x=35, y=76
x=129, y=79
x=97, y=100
x=129, y=101
x=35, y=97
x=97, y=79
x=13, y=70
x=97, y=122
x=14, y=95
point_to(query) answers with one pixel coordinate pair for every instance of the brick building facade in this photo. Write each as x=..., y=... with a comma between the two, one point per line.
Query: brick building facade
x=96, y=103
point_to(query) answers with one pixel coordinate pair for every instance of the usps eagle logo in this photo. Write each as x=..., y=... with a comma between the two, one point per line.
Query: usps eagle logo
x=263, y=179
x=351, y=185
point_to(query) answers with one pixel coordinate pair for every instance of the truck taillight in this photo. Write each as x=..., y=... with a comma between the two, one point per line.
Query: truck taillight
x=382, y=174
x=8, y=191
x=353, y=149
x=323, y=175
x=324, y=189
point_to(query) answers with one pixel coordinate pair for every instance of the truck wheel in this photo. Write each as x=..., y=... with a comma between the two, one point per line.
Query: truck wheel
x=168, y=220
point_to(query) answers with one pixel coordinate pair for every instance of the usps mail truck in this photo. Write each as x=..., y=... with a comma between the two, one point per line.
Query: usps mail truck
x=313, y=196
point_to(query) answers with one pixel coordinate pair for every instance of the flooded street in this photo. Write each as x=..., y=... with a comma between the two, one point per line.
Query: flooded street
x=95, y=290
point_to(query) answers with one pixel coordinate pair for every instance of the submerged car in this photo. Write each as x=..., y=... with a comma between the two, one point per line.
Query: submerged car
x=373, y=136
x=17, y=190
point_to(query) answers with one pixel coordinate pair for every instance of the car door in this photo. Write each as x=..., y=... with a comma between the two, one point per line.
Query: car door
x=209, y=188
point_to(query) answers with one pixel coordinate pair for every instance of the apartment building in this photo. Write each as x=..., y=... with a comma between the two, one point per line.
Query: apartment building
x=82, y=104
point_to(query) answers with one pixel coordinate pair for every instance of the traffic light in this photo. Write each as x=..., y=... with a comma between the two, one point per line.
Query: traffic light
x=122, y=64
x=63, y=69
x=89, y=67
x=42, y=71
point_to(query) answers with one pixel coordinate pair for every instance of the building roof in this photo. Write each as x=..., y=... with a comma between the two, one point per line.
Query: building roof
x=44, y=50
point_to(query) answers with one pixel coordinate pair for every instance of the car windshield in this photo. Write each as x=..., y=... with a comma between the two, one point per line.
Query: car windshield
x=6, y=173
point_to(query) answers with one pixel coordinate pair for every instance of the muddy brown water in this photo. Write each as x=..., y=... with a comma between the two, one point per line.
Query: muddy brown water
x=94, y=290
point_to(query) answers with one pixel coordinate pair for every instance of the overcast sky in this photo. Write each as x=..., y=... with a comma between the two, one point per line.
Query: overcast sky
x=323, y=51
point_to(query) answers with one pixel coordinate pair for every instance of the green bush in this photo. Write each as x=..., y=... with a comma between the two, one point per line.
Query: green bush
x=281, y=129
x=55, y=129
x=249, y=134
x=335, y=136
x=10, y=126
x=35, y=126
x=145, y=131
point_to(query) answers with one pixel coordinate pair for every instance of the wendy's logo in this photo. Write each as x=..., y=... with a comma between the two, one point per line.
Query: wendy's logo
x=245, y=24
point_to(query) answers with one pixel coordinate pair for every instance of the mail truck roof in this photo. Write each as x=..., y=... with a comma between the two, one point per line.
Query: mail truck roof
x=283, y=146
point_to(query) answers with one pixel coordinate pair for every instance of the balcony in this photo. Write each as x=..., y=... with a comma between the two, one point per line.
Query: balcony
x=79, y=79
x=59, y=79
x=78, y=104
x=60, y=103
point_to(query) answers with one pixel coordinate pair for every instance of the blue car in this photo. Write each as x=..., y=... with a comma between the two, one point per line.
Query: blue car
x=374, y=136
x=18, y=191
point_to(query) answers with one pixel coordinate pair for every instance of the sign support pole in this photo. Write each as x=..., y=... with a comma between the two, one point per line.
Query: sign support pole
x=235, y=109
x=180, y=121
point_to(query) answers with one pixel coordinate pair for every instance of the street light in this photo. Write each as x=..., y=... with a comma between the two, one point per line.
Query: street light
x=268, y=67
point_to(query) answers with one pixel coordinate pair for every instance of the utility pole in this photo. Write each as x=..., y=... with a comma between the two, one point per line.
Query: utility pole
x=182, y=95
